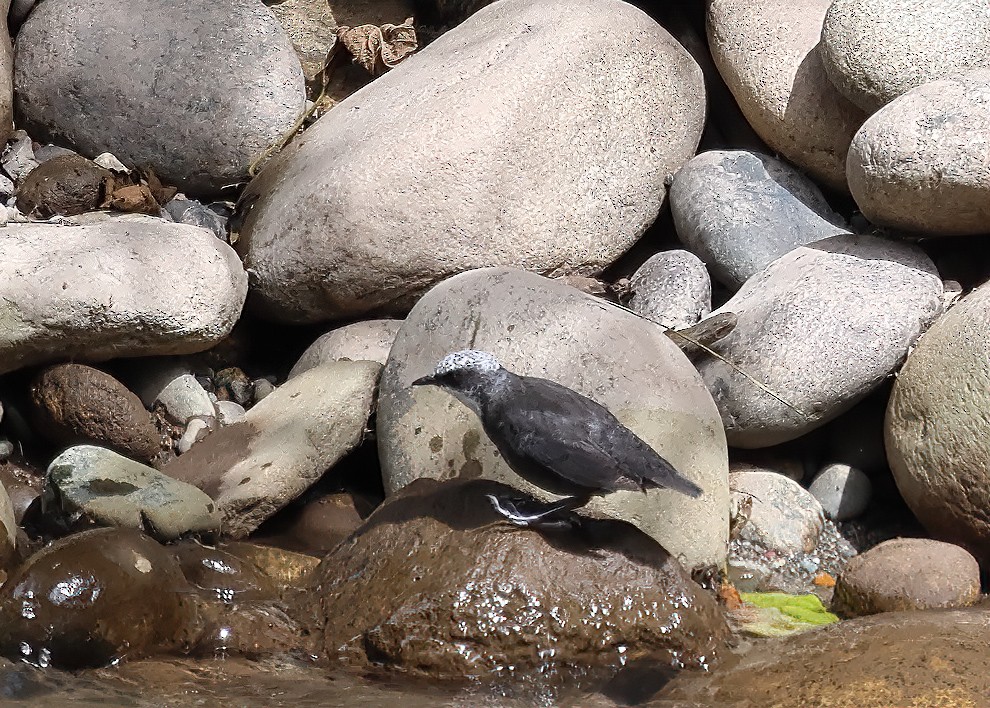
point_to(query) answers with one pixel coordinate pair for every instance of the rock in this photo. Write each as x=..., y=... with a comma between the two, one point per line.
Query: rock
x=222, y=575
x=261, y=388
x=229, y=412
x=170, y=385
x=6, y=81
x=673, y=289
x=436, y=584
x=287, y=570
x=196, y=429
x=285, y=443
x=64, y=185
x=739, y=211
x=23, y=484
x=369, y=340
x=907, y=574
x=913, y=165
x=541, y=327
x=316, y=527
x=91, y=598
x=870, y=662
x=227, y=85
x=843, y=491
x=75, y=403
x=235, y=384
x=150, y=287
x=820, y=327
x=782, y=517
x=936, y=433
x=99, y=485
x=190, y=211
x=44, y=153
x=875, y=50
x=527, y=156
x=768, y=55
x=18, y=156
x=8, y=527
x=6, y=449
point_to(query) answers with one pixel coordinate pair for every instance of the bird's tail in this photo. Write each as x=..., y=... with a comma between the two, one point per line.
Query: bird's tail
x=670, y=478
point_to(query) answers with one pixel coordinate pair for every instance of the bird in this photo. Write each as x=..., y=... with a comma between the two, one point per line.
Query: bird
x=552, y=436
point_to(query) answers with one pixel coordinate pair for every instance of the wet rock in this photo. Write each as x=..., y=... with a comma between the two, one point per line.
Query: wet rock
x=108, y=489
x=475, y=199
x=782, y=515
x=91, y=598
x=287, y=570
x=221, y=575
x=673, y=289
x=870, y=662
x=436, y=585
x=197, y=123
x=820, y=328
x=739, y=211
x=936, y=432
x=622, y=361
x=907, y=574
x=876, y=50
x=75, y=403
x=768, y=55
x=138, y=296
x=912, y=165
x=369, y=340
x=285, y=443
x=64, y=185
x=843, y=491
x=23, y=484
x=316, y=527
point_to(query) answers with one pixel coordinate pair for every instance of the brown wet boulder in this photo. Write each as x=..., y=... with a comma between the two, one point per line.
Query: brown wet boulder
x=93, y=597
x=75, y=403
x=437, y=584
x=907, y=574
x=315, y=526
x=66, y=185
x=931, y=659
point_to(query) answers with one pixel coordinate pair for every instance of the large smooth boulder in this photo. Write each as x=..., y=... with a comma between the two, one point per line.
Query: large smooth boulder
x=893, y=659
x=6, y=80
x=368, y=340
x=195, y=92
x=741, y=210
x=915, y=166
x=435, y=582
x=937, y=432
x=767, y=52
x=541, y=327
x=536, y=134
x=817, y=330
x=285, y=443
x=117, y=288
x=875, y=50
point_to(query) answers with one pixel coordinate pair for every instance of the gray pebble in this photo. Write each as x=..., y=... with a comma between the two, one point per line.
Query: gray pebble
x=229, y=412
x=18, y=159
x=673, y=289
x=262, y=387
x=6, y=449
x=843, y=491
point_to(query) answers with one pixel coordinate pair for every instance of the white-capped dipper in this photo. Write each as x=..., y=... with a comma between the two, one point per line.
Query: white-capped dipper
x=552, y=436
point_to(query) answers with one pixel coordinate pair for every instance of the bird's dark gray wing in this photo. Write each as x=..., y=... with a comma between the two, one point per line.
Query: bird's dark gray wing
x=579, y=440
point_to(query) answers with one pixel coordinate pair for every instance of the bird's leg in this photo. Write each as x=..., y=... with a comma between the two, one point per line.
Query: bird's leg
x=511, y=509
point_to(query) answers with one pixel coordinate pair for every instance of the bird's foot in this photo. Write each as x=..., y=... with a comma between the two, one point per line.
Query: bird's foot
x=528, y=513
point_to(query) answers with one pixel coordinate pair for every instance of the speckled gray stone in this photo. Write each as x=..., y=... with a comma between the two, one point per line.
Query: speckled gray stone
x=369, y=340
x=843, y=491
x=783, y=515
x=673, y=289
x=920, y=163
x=526, y=153
x=820, y=327
x=196, y=92
x=740, y=210
x=876, y=50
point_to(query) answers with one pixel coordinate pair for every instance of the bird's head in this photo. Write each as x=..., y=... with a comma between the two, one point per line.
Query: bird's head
x=467, y=374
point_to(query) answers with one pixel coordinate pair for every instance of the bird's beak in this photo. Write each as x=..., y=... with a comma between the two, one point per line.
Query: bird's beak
x=424, y=381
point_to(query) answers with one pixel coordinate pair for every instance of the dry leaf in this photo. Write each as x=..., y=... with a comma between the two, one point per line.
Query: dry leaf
x=376, y=48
